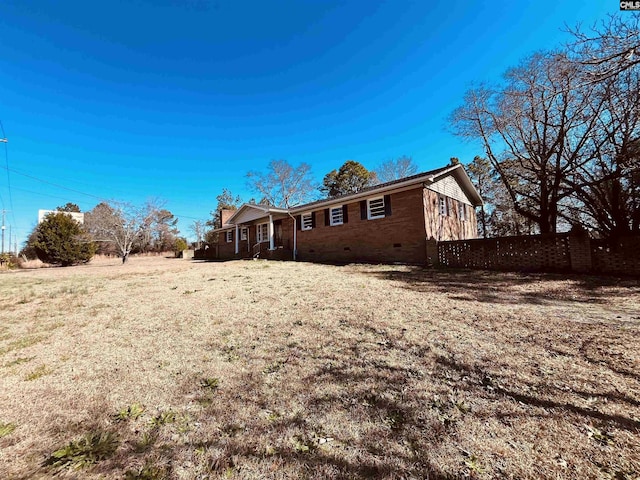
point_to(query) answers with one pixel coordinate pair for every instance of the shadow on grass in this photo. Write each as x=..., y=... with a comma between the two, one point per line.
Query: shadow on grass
x=391, y=407
x=504, y=287
x=475, y=378
x=599, y=353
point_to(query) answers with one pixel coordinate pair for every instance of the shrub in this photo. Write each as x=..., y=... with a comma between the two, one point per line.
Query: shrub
x=9, y=261
x=180, y=245
x=60, y=240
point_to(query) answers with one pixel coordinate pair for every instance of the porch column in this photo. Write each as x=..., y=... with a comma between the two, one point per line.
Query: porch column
x=237, y=239
x=271, y=236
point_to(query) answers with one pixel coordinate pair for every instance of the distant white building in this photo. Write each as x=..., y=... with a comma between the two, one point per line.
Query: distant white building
x=78, y=217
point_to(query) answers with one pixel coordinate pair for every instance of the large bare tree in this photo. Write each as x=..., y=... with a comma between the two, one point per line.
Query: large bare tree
x=607, y=183
x=533, y=128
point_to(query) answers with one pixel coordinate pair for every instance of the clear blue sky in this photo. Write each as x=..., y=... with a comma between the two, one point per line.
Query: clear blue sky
x=177, y=99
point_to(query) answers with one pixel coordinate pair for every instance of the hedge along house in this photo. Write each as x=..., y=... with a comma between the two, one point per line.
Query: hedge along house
x=385, y=223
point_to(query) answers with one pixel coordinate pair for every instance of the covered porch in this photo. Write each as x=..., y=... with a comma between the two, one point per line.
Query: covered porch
x=261, y=231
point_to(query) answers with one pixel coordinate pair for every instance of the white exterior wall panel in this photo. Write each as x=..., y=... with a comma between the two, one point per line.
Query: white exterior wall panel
x=449, y=187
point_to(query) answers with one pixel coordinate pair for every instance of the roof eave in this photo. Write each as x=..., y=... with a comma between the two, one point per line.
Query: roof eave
x=359, y=195
x=426, y=178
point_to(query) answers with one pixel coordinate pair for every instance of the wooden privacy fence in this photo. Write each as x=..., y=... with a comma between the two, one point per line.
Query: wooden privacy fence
x=561, y=252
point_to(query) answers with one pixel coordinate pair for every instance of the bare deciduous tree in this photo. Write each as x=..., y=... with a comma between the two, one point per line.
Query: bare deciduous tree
x=118, y=223
x=607, y=183
x=533, y=128
x=198, y=227
x=563, y=131
x=283, y=185
x=606, y=50
x=395, y=169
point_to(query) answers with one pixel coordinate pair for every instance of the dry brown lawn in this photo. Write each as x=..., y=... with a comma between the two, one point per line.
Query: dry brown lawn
x=166, y=368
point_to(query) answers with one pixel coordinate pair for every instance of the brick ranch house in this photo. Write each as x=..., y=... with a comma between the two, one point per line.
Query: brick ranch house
x=385, y=223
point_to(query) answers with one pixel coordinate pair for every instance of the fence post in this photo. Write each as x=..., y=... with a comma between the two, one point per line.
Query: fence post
x=580, y=251
x=432, y=252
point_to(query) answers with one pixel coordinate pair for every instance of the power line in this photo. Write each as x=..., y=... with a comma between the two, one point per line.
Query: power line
x=102, y=199
x=17, y=172
x=6, y=158
x=58, y=197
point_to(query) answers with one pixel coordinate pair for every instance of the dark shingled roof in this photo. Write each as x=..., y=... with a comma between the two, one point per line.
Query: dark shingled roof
x=376, y=187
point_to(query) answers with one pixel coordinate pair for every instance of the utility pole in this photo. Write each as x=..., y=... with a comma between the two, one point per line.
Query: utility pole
x=4, y=140
x=3, y=227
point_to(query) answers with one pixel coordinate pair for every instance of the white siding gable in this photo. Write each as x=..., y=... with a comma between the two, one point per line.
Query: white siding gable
x=249, y=215
x=451, y=188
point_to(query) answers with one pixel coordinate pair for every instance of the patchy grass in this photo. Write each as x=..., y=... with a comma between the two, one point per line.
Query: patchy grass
x=18, y=361
x=24, y=342
x=86, y=451
x=37, y=373
x=132, y=412
x=254, y=370
x=6, y=429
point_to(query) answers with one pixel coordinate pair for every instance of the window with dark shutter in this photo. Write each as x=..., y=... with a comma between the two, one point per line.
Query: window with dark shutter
x=313, y=219
x=363, y=210
x=387, y=205
x=326, y=217
x=345, y=213
x=298, y=222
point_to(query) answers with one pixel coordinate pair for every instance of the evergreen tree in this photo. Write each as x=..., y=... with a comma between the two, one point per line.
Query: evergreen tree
x=60, y=240
x=350, y=178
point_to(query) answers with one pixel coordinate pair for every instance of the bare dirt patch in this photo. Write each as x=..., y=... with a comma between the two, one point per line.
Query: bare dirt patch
x=166, y=368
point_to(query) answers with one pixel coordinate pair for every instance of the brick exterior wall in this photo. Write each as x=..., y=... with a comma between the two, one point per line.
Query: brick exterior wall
x=450, y=226
x=399, y=237
x=524, y=253
x=566, y=252
x=226, y=249
x=621, y=256
x=224, y=216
